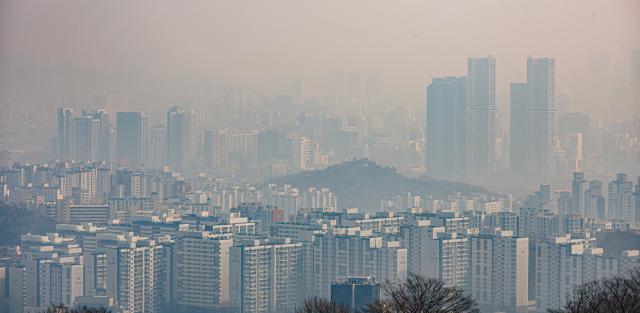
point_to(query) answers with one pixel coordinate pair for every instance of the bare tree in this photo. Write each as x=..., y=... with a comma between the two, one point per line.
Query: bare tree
x=610, y=295
x=421, y=295
x=320, y=305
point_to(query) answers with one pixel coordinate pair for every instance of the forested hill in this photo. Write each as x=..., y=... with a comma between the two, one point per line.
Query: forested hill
x=16, y=221
x=363, y=184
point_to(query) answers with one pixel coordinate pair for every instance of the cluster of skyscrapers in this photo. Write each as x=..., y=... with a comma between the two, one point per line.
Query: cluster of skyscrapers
x=461, y=121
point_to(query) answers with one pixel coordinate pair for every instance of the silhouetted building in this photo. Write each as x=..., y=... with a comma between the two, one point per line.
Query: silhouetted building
x=481, y=99
x=446, y=127
x=132, y=138
x=355, y=293
x=182, y=138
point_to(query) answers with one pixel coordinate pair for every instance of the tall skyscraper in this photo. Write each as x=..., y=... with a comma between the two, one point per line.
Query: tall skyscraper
x=620, y=199
x=578, y=194
x=594, y=201
x=635, y=82
x=104, y=133
x=85, y=135
x=132, y=144
x=65, y=143
x=481, y=103
x=518, y=128
x=182, y=137
x=636, y=196
x=541, y=83
x=446, y=127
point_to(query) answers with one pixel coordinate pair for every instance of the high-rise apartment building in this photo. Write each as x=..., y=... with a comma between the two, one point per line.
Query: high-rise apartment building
x=202, y=271
x=337, y=256
x=578, y=194
x=132, y=267
x=541, y=110
x=182, y=138
x=518, y=129
x=86, y=136
x=594, y=200
x=446, y=127
x=620, y=199
x=266, y=276
x=132, y=144
x=562, y=263
x=498, y=271
x=635, y=82
x=64, y=139
x=481, y=106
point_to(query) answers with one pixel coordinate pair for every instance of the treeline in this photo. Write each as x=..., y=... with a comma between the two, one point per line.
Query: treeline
x=421, y=295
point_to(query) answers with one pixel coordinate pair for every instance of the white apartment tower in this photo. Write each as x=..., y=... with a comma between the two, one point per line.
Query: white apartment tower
x=339, y=255
x=267, y=276
x=498, y=271
x=202, y=271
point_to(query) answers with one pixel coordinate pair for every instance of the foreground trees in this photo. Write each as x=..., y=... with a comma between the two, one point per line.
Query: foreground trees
x=617, y=294
x=414, y=295
x=423, y=295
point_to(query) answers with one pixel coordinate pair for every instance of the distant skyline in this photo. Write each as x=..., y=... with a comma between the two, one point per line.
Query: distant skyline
x=172, y=49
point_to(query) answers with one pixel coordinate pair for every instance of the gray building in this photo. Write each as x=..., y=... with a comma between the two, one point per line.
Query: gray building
x=355, y=293
x=132, y=144
x=182, y=137
x=481, y=105
x=446, y=147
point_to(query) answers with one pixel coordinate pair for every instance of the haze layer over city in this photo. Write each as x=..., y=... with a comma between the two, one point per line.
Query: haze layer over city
x=330, y=156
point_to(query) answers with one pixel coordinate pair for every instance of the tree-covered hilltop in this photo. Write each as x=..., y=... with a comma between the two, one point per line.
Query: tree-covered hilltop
x=363, y=184
x=15, y=221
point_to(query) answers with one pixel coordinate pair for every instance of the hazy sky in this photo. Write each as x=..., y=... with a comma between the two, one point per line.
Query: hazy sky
x=405, y=42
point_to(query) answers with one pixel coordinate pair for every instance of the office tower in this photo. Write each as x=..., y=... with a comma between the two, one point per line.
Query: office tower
x=202, y=271
x=302, y=158
x=620, y=199
x=577, y=194
x=571, y=124
x=518, y=129
x=104, y=134
x=481, y=103
x=65, y=137
x=157, y=147
x=85, y=134
x=82, y=213
x=540, y=115
x=446, y=127
x=635, y=82
x=267, y=275
x=337, y=256
x=132, y=143
x=355, y=293
x=573, y=151
x=182, y=138
x=215, y=149
x=544, y=193
x=636, y=195
x=594, y=201
x=132, y=267
x=499, y=269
